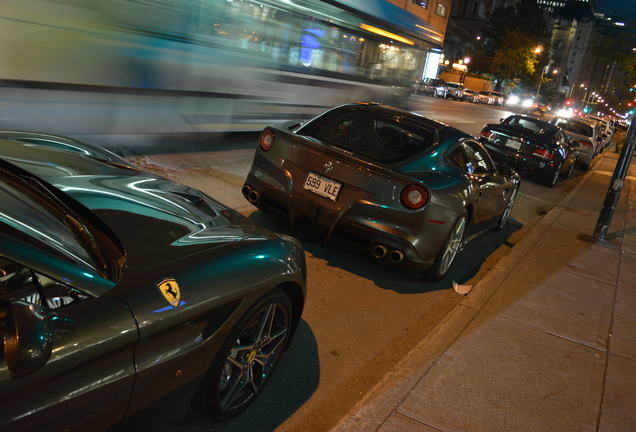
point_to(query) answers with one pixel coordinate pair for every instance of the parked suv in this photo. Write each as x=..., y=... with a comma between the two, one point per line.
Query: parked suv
x=432, y=87
x=455, y=90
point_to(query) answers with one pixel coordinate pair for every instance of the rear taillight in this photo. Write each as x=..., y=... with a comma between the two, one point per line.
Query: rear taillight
x=586, y=143
x=543, y=153
x=414, y=196
x=266, y=140
x=486, y=133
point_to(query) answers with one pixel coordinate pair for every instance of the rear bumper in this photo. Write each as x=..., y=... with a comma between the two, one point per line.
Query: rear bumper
x=521, y=163
x=362, y=223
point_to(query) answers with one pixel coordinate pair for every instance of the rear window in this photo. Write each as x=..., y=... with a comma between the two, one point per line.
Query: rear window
x=453, y=85
x=536, y=126
x=435, y=82
x=372, y=136
x=485, y=93
x=575, y=127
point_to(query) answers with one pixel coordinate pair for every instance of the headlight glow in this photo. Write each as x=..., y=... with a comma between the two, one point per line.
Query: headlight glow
x=513, y=100
x=527, y=103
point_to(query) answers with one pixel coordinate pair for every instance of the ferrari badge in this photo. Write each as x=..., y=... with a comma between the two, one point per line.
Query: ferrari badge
x=170, y=290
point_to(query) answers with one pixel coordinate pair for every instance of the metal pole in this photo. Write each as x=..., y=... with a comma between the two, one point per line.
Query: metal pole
x=616, y=185
x=540, y=81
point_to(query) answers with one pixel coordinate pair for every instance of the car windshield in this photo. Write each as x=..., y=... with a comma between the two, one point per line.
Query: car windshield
x=454, y=85
x=536, y=126
x=575, y=127
x=485, y=93
x=373, y=137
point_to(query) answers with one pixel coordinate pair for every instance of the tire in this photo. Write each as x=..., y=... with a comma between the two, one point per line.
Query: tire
x=551, y=179
x=247, y=359
x=503, y=219
x=443, y=262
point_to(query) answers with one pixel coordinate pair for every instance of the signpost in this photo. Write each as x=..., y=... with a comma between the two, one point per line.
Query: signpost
x=616, y=185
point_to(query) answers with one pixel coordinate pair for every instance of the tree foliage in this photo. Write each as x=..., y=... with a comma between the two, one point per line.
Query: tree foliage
x=509, y=39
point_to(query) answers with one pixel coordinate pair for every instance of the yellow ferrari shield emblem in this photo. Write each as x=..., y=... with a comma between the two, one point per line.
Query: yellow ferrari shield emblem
x=170, y=290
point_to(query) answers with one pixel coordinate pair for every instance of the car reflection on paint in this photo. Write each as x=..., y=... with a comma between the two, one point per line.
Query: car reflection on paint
x=410, y=190
x=118, y=287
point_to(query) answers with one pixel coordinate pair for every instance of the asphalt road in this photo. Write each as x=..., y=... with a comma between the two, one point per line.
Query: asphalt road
x=360, y=318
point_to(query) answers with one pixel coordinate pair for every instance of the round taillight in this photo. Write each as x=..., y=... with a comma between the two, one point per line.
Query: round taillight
x=267, y=140
x=414, y=196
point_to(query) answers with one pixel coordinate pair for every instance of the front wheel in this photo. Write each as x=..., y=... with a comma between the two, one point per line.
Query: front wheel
x=248, y=358
x=446, y=256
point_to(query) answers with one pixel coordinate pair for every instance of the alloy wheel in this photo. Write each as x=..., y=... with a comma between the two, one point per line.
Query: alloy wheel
x=454, y=245
x=252, y=357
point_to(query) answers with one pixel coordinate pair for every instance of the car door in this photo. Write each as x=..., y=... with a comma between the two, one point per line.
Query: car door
x=490, y=186
x=86, y=381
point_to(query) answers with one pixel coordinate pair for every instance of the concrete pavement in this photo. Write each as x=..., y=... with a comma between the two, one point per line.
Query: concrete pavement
x=545, y=342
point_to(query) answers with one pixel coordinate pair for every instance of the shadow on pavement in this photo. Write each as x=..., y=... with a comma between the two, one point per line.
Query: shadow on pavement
x=294, y=381
x=388, y=276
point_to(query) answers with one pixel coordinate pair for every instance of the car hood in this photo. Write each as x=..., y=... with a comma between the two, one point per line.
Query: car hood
x=156, y=220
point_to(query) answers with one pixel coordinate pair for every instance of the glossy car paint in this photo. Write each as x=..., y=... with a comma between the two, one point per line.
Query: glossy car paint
x=368, y=210
x=523, y=159
x=126, y=346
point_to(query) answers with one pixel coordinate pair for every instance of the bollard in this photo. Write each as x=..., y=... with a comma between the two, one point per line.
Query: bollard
x=616, y=185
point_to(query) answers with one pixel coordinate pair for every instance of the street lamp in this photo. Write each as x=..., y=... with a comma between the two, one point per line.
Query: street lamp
x=466, y=60
x=538, y=50
x=555, y=71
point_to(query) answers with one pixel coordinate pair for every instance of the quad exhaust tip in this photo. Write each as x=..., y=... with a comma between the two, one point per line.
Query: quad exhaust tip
x=396, y=256
x=253, y=196
x=379, y=251
x=246, y=189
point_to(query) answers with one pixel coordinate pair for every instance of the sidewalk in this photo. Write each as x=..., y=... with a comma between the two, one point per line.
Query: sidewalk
x=545, y=342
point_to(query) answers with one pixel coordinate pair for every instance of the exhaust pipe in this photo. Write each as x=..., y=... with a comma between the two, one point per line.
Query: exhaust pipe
x=379, y=251
x=253, y=196
x=396, y=256
x=246, y=189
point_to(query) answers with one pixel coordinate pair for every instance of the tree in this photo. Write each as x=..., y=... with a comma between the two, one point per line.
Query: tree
x=509, y=39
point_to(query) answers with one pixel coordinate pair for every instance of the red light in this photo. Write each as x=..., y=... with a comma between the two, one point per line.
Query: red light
x=586, y=143
x=568, y=102
x=543, y=153
x=266, y=140
x=414, y=196
x=486, y=133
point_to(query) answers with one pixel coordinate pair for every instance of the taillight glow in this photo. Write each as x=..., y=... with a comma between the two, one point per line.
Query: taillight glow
x=543, y=153
x=486, y=133
x=586, y=143
x=266, y=140
x=414, y=196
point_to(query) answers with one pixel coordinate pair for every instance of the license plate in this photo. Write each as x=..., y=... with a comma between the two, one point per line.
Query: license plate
x=322, y=186
x=513, y=144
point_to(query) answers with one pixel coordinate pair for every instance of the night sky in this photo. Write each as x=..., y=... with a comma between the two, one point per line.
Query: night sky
x=626, y=8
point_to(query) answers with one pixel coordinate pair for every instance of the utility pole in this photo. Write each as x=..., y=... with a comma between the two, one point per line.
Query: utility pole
x=616, y=185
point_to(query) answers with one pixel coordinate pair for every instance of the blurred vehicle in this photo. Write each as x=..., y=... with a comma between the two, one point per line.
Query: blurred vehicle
x=407, y=189
x=432, y=87
x=118, y=287
x=606, y=128
x=583, y=133
x=531, y=145
x=485, y=97
x=526, y=104
x=469, y=95
x=455, y=90
x=498, y=98
x=156, y=67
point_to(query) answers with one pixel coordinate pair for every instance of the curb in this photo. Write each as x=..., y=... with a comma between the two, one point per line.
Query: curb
x=375, y=407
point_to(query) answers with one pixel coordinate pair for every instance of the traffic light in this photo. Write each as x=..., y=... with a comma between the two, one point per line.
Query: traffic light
x=631, y=89
x=568, y=102
x=629, y=104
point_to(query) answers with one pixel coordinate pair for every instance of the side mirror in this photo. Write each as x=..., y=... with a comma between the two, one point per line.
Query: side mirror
x=28, y=338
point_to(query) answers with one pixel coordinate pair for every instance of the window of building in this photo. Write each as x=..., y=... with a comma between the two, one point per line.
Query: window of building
x=423, y=3
x=440, y=10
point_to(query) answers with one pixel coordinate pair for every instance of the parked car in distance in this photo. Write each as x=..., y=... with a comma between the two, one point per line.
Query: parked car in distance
x=606, y=128
x=455, y=90
x=432, y=87
x=469, y=95
x=485, y=97
x=583, y=133
x=498, y=98
x=119, y=287
x=532, y=146
x=408, y=190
